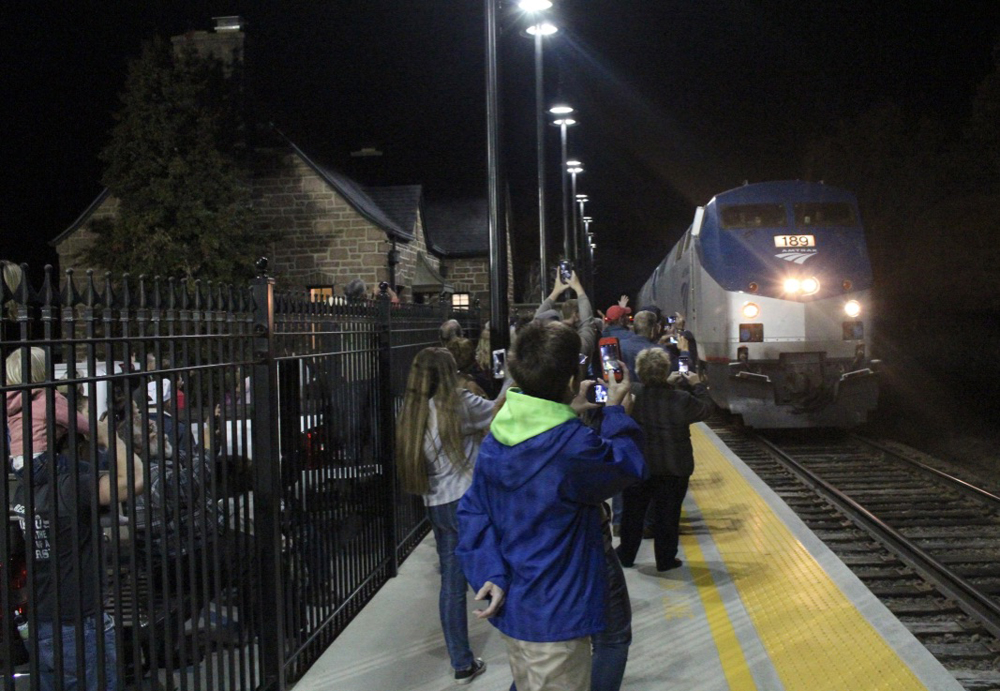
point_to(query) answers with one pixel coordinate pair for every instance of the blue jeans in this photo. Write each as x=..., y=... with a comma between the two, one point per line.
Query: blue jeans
x=70, y=681
x=452, y=604
x=611, y=644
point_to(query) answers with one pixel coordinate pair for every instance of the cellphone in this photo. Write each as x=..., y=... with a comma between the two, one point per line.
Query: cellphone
x=610, y=357
x=671, y=320
x=499, y=364
x=598, y=393
x=673, y=340
x=683, y=364
x=565, y=270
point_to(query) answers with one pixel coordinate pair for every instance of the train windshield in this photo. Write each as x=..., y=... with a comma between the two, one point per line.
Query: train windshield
x=753, y=216
x=825, y=214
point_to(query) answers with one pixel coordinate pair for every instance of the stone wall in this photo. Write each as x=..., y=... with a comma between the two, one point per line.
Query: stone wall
x=70, y=250
x=319, y=233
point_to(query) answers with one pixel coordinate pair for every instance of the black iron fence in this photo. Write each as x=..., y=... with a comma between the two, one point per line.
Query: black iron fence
x=201, y=491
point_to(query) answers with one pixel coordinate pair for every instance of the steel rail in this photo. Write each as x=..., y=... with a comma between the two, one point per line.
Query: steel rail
x=960, y=484
x=970, y=599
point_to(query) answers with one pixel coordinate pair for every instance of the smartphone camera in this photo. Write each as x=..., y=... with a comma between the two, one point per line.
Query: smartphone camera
x=598, y=393
x=609, y=361
x=683, y=364
x=499, y=364
x=565, y=270
x=383, y=286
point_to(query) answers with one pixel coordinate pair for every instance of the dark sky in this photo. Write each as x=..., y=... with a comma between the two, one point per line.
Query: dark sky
x=676, y=100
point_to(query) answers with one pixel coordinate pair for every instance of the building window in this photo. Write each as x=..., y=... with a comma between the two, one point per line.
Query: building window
x=324, y=294
x=461, y=300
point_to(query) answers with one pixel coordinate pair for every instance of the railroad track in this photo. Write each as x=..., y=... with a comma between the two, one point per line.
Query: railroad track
x=925, y=543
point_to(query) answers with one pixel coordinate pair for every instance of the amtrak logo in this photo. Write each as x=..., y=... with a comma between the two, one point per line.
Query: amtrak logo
x=797, y=257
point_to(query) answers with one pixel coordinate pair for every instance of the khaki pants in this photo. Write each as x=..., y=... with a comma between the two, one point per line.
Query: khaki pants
x=556, y=666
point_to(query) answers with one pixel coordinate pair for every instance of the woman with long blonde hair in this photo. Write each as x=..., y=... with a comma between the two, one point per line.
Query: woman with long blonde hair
x=437, y=441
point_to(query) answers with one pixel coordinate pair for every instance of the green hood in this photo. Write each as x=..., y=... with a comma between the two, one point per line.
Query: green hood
x=523, y=417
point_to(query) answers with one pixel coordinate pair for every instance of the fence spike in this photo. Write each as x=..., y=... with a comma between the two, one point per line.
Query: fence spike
x=108, y=299
x=50, y=297
x=90, y=296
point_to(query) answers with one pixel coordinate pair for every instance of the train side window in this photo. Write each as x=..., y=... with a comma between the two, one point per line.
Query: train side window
x=753, y=216
x=682, y=246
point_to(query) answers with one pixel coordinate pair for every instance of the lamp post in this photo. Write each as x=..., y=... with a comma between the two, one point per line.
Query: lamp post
x=539, y=31
x=564, y=122
x=589, y=249
x=581, y=199
x=574, y=168
x=497, y=218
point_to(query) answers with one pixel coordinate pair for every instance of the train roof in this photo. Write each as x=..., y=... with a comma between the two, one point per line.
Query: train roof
x=784, y=189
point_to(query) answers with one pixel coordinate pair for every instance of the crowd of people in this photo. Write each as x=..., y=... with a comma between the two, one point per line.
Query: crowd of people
x=517, y=475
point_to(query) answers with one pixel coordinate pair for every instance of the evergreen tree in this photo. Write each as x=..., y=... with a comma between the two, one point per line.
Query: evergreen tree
x=177, y=163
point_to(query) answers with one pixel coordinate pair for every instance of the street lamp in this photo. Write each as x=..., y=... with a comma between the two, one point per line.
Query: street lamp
x=563, y=122
x=539, y=31
x=574, y=168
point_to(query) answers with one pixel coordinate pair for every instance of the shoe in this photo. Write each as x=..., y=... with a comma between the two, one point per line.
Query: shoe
x=465, y=676
x=616, y=530
x=674, y=563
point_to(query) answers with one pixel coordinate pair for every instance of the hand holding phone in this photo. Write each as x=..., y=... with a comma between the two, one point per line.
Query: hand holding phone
x=610, y=358
x=565, y=271
x=499, y=364
x=598, y=393
x=683, y=364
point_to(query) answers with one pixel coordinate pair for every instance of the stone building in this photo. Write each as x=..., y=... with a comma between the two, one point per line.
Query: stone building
x=331, y=229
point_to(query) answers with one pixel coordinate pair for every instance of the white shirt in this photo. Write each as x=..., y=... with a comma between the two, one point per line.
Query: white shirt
x=447, y=481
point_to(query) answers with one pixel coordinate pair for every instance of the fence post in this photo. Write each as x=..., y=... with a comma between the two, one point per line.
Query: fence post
x=387, y=421
x=267, y=483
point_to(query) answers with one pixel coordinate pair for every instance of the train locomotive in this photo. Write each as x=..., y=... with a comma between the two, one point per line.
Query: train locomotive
x=775, y=283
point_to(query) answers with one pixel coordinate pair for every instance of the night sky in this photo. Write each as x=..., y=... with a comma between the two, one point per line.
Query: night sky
x=676, y=100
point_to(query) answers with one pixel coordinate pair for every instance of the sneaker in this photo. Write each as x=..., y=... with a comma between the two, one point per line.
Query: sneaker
x=465, y=676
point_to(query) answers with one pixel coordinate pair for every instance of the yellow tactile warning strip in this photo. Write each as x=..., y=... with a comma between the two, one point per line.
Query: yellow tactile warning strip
x=816, y=638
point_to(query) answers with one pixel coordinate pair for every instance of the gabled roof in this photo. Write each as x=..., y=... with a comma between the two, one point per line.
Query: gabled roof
x=353, y=193
x=401, y=203
x=82, y=218
x=458, y=228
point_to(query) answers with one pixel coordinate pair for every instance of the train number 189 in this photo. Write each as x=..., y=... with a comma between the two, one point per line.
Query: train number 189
x=794, y=240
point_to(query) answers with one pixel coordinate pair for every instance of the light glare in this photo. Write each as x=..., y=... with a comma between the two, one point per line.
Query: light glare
x=810, y=286
x=792, y=285
x=560, y=109
x=750, y=310
x=852, y=309
x=543, y=29
x=534, y=5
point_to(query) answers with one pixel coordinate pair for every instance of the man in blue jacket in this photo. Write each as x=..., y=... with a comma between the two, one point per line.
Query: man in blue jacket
x=529, y=526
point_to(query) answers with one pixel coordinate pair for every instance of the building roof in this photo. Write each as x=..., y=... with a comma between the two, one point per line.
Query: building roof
x=458, y=228
x=82, y=218
x=395, y=212
x=355, y=195
x=401, y=203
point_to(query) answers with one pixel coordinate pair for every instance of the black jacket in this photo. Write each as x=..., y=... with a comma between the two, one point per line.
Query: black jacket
x=665, y=415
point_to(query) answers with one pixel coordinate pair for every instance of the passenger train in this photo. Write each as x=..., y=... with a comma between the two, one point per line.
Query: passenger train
x=775, y=284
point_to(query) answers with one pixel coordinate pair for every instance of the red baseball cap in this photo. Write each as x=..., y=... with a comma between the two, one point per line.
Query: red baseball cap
x=615, y=312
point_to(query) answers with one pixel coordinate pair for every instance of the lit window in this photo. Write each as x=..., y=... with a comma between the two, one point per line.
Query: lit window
x=321, y=294
x=461, y=300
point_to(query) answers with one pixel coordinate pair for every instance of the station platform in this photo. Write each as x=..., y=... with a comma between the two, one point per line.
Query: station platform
x=760, y=604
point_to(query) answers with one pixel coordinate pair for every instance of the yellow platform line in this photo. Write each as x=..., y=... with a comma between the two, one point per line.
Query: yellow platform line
x=731, y=656
x=816, y=638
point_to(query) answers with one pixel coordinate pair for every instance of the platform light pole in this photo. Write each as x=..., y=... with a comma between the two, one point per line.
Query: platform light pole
x=497, y=217
x=574, y=168
x=540, y=31
x=564, y=121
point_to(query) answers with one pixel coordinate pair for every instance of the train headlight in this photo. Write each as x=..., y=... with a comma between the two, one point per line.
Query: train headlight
x=852, y=309
x=751, y=311
x=792, y=286
x=810, y=286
